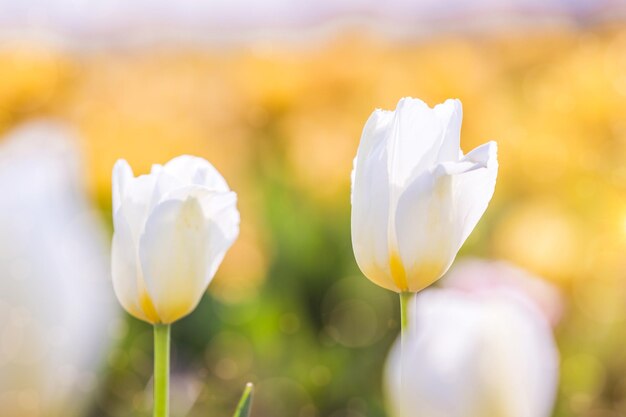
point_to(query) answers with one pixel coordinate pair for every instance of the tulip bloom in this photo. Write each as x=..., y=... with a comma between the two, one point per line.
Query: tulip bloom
x=487, y=351
x=172, y=230
x=475, y=275
x=56, y=302
x=415, y=196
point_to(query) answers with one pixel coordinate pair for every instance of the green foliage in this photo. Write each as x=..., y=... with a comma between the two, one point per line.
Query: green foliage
x=243, y=408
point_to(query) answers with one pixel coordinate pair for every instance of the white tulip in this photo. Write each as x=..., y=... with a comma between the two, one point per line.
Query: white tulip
x=476, y=275
x=56, y=306
x=172, y=230
x=484, y=353
x=415, y=196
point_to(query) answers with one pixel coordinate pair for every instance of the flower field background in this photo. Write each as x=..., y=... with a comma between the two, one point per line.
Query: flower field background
x=289, y=309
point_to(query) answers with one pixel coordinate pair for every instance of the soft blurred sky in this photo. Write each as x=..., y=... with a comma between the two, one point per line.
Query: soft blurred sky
x=93, y=22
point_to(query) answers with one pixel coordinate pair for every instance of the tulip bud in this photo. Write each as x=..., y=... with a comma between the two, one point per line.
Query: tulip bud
x=474, y=353
x=56, y=303
x=172, y=230
x=415, y=196
x=476, y=275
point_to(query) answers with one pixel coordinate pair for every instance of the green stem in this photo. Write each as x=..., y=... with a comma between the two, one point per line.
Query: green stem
x=161, y=370
x=405, y=297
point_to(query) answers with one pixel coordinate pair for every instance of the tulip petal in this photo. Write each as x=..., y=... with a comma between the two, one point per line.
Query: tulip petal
x=137, y=201
x=475, y=275
x=219, y=207
x=438, y=211
x=473, y=356
x=424, y=230
x=415, y=139
x=122, y=175
x=191, y=170
x=450, y=114
x=124, y=268
x=370, y=201
x=182, y=247
x=473, y=186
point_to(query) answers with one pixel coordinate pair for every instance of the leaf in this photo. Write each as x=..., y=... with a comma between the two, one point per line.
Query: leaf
x=243, y=408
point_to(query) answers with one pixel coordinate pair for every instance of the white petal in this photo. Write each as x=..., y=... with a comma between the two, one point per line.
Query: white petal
x=165, y=184
x=139, y=194
x=182, y=248
x=122, y=175
x=474, y=188
x=156, y=169
x=414, y=140
x=221, y=209
x=425, y=229
x=438, y=211
x=450, y=114
x=374, y=133
x=473, y=356
x=370, y=201
x=124, y=267
x=140, y=197
x=475, y=275
x=192, y=170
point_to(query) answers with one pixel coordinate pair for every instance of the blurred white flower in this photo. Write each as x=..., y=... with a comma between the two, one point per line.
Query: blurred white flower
x=475, y=275
x=172, y=230
x=415, y=197
x=480, y=353
x=56, y=306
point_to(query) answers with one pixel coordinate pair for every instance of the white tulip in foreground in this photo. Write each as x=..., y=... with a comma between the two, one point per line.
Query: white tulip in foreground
x=415, y=196
x=56, y=303
x=483, y=352
x=476, y=275
x=172, y=230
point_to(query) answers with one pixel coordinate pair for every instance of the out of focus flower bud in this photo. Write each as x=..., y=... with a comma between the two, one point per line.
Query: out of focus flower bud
x=56, y=307
x=475, y=275
x=475, y=350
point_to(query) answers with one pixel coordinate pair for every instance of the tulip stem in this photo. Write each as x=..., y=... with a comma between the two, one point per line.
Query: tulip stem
x=405, y=297
x=161, y=378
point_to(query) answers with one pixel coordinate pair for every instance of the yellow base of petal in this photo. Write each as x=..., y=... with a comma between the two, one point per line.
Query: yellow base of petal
x=398, y=273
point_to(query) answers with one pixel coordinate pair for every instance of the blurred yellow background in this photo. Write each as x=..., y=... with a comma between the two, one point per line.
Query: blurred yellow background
x=282, y=123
